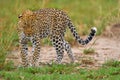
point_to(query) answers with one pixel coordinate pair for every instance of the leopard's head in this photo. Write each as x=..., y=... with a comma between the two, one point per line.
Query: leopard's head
x=26, y=22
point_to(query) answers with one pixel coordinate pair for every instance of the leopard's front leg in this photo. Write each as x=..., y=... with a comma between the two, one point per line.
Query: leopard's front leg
x=36, y=52
x=24, y=49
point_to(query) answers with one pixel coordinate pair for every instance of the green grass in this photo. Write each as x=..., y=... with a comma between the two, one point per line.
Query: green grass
x=112, y=63
x=89, y=51
x=61, y=72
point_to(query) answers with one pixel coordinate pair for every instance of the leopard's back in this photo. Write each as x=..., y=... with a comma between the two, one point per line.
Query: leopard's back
x=51, y=20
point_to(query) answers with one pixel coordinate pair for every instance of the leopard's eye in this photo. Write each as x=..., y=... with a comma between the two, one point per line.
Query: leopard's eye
x=19, y=16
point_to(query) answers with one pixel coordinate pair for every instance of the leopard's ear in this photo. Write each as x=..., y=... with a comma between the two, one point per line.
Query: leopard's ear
x=28, y=12
x=25, y=14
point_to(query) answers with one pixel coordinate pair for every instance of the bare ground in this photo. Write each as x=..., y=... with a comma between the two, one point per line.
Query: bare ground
x=106, y=48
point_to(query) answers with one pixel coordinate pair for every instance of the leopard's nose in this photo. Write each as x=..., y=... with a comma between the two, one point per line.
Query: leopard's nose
x=28, y=34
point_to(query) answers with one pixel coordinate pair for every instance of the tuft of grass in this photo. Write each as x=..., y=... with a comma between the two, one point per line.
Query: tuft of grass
x=87, y=61
x=9, y=66
x=50, y=69
x=112, y=63
x=89, y=51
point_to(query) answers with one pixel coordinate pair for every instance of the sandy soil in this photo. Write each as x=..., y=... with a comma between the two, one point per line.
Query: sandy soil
x=106, y=48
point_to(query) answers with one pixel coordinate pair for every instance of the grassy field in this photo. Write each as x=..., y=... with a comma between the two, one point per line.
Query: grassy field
x=84, y=14
x=109, y=71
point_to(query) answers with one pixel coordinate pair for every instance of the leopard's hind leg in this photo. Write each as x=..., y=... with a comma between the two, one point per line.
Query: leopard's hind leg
x=57, y=42
x=67, y=47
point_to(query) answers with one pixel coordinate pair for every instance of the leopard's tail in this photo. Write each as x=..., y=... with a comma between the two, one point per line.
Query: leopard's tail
x=77, y=37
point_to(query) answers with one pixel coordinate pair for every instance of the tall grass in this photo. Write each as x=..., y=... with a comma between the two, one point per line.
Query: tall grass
x=83, y=13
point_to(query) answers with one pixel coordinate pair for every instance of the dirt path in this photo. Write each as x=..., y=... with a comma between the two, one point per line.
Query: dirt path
x=105, y=49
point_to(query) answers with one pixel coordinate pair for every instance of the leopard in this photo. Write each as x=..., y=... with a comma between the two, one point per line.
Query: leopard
x=50, y=23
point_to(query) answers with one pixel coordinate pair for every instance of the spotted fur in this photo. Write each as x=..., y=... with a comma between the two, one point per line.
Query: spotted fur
x=36, y=25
